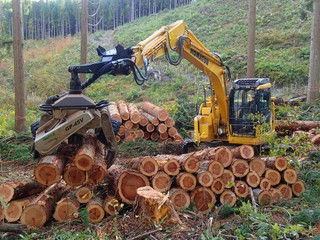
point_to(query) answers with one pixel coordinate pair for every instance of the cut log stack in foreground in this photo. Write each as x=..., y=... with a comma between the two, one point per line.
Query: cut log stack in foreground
x=150, y=122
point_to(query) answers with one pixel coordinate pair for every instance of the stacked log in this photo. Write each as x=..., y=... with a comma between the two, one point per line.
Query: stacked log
x=207, y=177
x=150, y=122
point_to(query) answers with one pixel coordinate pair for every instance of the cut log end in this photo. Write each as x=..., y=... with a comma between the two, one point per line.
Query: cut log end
x=241, y=189
x=179, y=198
x=298, y=188
x=216, y=168
x=227, y=178
x=257, y=165
x=253, y=179
x=204, y=199
x=128, y=183
x=47, y=174
x=172, y=167
x=149, y=166
x=84, y=194
x=6, y=191
x=228, y=197
x=66, y=210
x=217, y=186
x=240, y=168
x=33, y=216
x=73, y=176
x=274, y=176
x=95, y=212
x=112, y=205
x=205, y=178
x=290, y=176
x=161, y=182
x=186, y=181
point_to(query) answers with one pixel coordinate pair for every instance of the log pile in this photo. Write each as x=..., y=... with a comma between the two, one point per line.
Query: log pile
x=150, y=122
x=81, y=179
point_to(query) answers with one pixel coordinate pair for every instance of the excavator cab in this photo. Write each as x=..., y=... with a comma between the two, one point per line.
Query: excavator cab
x=249, y=106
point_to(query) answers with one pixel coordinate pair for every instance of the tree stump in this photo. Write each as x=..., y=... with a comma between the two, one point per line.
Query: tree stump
x=179, y=198
x=152, y=205
x=49, y=170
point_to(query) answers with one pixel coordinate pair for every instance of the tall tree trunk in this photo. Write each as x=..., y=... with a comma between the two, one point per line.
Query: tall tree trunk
x=20, y=108
x=84, y=35
x=313, y=92
x=251, y=38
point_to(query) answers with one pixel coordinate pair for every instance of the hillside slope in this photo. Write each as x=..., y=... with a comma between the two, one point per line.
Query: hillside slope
x=282, y=53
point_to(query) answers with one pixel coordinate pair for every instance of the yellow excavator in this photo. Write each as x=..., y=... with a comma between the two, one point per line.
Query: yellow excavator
x=232, y=112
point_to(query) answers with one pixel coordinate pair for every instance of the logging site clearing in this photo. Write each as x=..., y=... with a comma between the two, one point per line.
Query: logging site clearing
x=153, y=191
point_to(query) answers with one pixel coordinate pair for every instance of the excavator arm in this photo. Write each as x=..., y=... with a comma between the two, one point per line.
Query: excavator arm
x=177, y=37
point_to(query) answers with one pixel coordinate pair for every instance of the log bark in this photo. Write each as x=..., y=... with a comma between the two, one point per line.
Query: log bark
x=279, y=163
x=227, y=178
x=155, y=111
x=228, y=197
x=15, y=208
x=1, y=214
x=186, y=181
x=290, y=176
x=286, y=191
x=114, y=112
x=49, y=170
x=152, y=205
x=316, y=139
x=262, y=197
x=204, y=178
x=216, y=168
x=143, y=120
x=84, y=194
x=134, y=113
x=153, y=120
x=127, y=182
x=222, y=155
x=188, y=163
x=95, y=210
x=274, y=176
x=112, y=205
x=67, y=209
x=243, y=151
x=146, y=165
x=285, y=125
x=74, y=176
x=257, y=165
x=169, y=165
x=265, y=184
x=240, y=168
x=298, y=188
x=161, y=182
x=38, y=212
x=179, y=198
x=217, y=186
x=99, y=169
x=123, y=110
x=253, y=179
x=16, y=190
x=204, y=199
x=241, y=189
x=85, y=156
